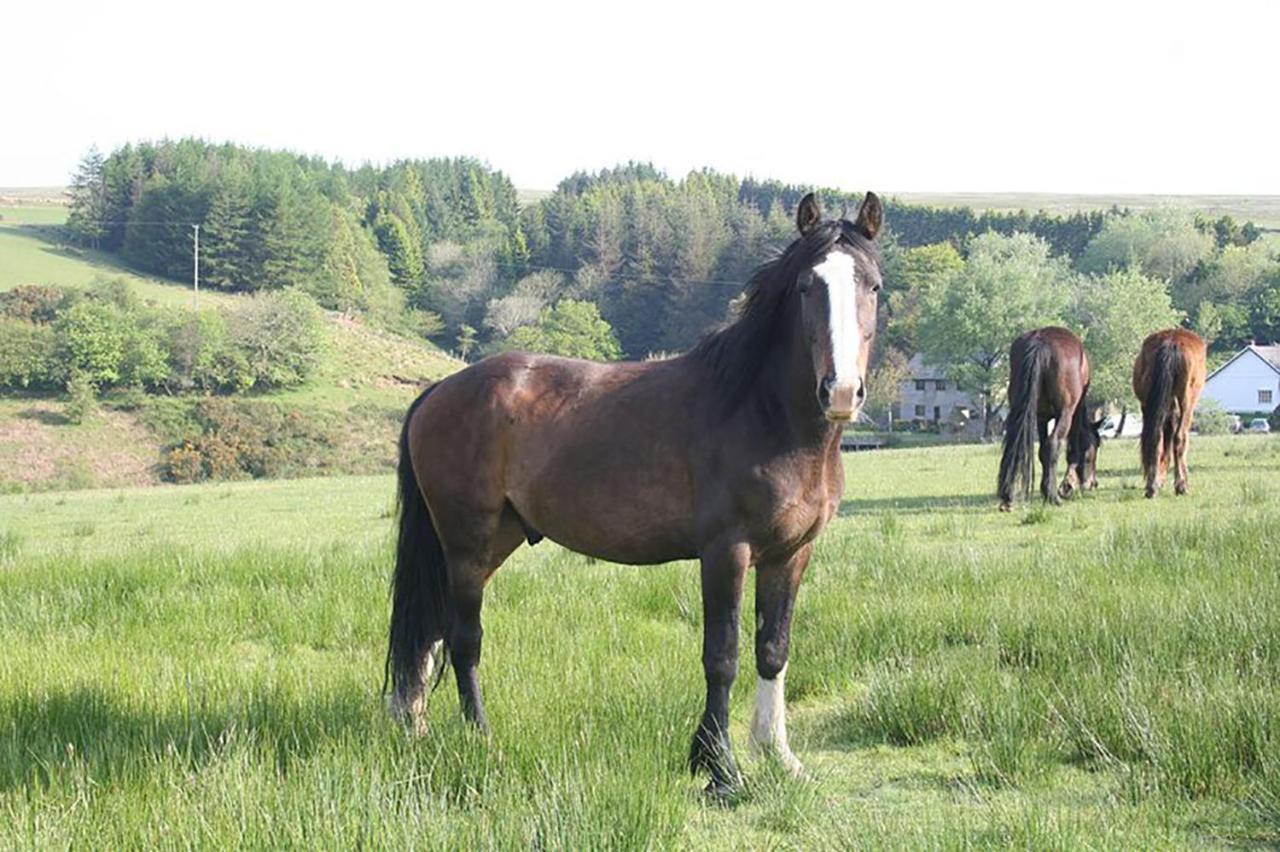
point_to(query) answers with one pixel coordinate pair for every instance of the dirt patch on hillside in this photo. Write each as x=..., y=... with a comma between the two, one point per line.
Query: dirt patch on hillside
x=40, y=450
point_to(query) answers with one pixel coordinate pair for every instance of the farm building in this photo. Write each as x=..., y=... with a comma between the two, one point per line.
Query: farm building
x=930, y=397
x=1248, y=384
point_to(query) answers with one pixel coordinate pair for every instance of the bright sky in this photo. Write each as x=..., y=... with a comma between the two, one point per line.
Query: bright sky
x=1082, y=96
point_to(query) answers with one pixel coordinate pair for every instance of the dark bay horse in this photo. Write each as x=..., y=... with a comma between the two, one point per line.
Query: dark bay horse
x=1048, y=381
x=729, y=454
x=1167, y=379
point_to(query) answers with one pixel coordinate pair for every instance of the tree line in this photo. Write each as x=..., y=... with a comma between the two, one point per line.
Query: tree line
x=628, y=262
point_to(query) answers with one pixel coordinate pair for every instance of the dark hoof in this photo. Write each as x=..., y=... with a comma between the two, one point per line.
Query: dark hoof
x=1006, y=507
x=1151, y=492
x=722, y=794
x=1180, y=489
x=711, y=753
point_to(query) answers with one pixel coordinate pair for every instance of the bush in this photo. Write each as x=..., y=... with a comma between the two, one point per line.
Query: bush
x=278, y=336
x=35, y=303
x=28, y=355
x=183, y=465
x=91, y=337
x=1211, y=418
x=240, y=439
x=82, y=398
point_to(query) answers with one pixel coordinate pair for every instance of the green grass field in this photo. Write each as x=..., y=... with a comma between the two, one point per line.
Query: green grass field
x=32, y=252
x=201, y=666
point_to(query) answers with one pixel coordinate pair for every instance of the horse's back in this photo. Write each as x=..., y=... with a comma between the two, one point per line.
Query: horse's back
x=594, y=456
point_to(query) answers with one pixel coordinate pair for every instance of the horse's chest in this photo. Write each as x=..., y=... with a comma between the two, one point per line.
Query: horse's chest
x=789, y=507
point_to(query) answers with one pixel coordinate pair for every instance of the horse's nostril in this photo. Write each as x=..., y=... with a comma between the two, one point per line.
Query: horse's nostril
x=824, y=390
x=862, y=392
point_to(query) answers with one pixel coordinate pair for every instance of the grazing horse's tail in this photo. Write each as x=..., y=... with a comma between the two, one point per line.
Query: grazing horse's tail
x=1155, y=408
x=420, y=586
x=1020, y=428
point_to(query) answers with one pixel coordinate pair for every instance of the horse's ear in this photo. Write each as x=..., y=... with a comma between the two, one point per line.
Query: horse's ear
x=870, y=216
x=808, y=214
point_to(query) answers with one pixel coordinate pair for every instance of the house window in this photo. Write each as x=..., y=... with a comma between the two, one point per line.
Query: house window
x=1264, y=397
x=942, y=386
x=920, y=384
x=919, y=411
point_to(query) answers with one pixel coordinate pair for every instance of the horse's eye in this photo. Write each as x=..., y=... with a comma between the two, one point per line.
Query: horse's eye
x=804, y=285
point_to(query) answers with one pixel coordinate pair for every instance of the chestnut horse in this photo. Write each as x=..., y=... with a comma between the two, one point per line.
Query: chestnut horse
x=1167, y=379
x=1048, y=381
x=729, y=454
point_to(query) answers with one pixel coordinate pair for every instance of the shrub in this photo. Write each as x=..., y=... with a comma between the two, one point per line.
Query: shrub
x=238, y=439
x=145, y=362
x=32, y=302
x=91, y=337
x=82, y=398
x=1211, y=418
x=28, y=354
x=183, y=464
x=278, y=336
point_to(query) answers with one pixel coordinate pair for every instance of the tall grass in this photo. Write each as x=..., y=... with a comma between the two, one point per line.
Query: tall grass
x=1107, y=677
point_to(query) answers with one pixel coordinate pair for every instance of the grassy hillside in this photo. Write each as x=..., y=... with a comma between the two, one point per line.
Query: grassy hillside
x=200, y=666
x=1262, y=210
x=364, y=380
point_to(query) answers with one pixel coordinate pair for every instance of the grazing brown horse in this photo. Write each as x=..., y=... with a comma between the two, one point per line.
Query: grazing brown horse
x=1048, y=381
x=729, y=454
x=1167, y=378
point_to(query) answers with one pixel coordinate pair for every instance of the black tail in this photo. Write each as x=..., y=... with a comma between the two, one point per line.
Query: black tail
x=1020, y=428
x=1155, y=408
x=420, y=586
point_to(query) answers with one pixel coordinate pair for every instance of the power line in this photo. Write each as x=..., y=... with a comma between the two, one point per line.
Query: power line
x=608, y=276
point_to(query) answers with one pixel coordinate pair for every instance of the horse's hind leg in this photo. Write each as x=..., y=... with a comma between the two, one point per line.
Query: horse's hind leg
x=1050, y=449
x=1168, y=437
x=472, y=557
x=1182, y=440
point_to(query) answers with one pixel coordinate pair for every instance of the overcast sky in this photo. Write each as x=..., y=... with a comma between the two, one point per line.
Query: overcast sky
x=1091, y=97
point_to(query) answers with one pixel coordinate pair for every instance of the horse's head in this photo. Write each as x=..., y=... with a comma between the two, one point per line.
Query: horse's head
x=838, y=291
x=1082, y=451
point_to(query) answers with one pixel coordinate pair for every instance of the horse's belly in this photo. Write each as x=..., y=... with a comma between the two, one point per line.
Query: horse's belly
x=613, y=505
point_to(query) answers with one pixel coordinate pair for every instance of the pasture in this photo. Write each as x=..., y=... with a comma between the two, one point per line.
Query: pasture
x=201, y=666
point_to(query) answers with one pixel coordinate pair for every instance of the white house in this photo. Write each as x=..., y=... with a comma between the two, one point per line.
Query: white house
x=1249, y=383
x=929, y=396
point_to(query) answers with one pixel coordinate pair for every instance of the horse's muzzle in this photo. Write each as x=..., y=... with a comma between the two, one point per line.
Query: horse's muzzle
x=841, y=401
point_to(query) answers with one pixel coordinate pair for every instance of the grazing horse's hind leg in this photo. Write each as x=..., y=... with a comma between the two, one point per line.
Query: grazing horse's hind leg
x=1181, y=440
x=724, y=566
x=472, y=557
x=776, y=587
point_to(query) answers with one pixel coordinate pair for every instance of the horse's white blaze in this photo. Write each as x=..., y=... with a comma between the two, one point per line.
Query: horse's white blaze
x=838, y=271
x=769, y=721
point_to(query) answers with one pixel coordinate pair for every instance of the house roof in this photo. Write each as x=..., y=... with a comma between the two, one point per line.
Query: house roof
x=1270, y=356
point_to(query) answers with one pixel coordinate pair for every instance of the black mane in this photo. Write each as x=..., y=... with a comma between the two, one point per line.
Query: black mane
x=738, y=352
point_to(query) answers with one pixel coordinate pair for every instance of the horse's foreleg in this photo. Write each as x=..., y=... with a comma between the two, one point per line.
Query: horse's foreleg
x=1072, y=481
x=776, y=587
x=723, y=568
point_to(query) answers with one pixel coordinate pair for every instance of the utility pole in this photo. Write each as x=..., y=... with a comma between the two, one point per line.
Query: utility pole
x=195, y=271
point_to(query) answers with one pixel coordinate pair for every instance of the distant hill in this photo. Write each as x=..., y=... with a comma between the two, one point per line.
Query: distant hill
x=359, y=390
